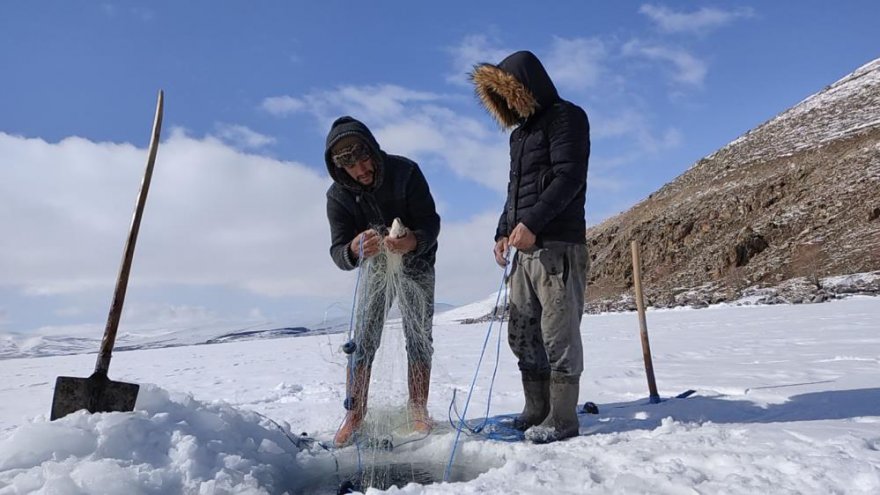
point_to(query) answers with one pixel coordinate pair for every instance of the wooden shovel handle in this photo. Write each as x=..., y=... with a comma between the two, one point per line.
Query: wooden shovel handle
x=643, y=324
x=109, y=339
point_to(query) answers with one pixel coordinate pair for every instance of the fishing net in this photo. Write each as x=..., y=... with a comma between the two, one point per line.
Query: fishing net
x=392, y=333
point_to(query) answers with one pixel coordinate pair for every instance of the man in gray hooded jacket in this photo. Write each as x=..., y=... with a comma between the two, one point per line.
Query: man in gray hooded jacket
x=370, y=189
x=543, y=219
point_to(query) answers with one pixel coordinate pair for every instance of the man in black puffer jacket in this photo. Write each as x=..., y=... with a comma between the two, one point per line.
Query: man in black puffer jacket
x=543, y=219
x=370, y=189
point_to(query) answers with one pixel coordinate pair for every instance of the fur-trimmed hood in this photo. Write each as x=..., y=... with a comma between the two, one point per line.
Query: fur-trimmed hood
x=344, y=127
x=515, y=89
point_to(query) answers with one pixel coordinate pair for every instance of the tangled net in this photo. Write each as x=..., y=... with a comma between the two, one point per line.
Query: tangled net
x=391, y=281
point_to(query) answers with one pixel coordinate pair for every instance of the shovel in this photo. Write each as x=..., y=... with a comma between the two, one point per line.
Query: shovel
x=98, y=393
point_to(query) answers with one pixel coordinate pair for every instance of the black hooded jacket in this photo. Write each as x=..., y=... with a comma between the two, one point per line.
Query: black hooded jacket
x=399, y=190
x=549, y=149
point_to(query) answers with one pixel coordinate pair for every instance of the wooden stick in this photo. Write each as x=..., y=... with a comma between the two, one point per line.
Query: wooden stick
x=125, y=269
x=643, y=325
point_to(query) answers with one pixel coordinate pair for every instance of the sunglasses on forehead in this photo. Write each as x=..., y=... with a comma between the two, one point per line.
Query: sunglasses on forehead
x=351, y=155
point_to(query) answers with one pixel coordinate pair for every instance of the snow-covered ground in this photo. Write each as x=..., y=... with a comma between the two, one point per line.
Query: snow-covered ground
x=787, y=401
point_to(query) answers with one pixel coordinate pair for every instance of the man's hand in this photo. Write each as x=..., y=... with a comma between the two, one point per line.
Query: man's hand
x=370, y=239
x=521, y=237
x=401, y=245
x=500, y=251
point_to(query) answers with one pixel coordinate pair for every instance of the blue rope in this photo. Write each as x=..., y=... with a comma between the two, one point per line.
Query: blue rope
x=497, y=351
x=461, y=423
x=352, y=320
x=351, y=328
x=356, y=284
x=497, y=428
x=477, y=429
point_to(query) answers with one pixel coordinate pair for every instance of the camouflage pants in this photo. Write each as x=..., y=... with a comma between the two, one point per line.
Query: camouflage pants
x=546, y=305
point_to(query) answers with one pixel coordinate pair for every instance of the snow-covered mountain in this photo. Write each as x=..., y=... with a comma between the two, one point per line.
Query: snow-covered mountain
x=798, y=196
x=88, y=340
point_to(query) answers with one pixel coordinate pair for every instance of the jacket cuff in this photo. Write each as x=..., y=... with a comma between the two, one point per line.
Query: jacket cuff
x=533, y=222
x=421, y=242
x=346, y=255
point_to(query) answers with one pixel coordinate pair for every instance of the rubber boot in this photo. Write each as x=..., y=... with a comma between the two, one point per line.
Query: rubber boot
x=536, y=389
x=357, y=385
x=419, y=381
x=562, y=422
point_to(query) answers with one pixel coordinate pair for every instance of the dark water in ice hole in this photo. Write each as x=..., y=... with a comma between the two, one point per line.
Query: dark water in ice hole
x=388, y=473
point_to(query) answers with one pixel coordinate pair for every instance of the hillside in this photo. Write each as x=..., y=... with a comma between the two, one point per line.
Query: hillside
x=791, y=201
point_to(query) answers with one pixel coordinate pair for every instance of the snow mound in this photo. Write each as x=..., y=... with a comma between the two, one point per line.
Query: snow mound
x=473, y=310
x=170, y=444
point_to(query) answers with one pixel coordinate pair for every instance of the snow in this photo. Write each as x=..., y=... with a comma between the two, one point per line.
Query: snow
x=865, y=76
x=472, y=310
x=87, y=338
x=846, y=107
x=850, y=280
x=786, y=401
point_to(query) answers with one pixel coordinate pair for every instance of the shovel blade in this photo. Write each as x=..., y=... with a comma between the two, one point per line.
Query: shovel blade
x=96, y=393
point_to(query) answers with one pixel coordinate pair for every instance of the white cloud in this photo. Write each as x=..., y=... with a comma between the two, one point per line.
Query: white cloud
x=70, y=311
x=214, y=216
x=572, y=62
x=576, y=63
x=466, y=269
x=603, y=183
x=415, y=124
x=371, y=103
x=470, y=149
x=282, y=105
x=635, y=125
x=686, y=68
x=611, y=176
x=242, y=137
x=700, y=22
x=380, y=102
x=165, y=315
x=472, y=50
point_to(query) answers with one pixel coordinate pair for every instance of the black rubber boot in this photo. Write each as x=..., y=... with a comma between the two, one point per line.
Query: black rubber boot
x=536, y=389
x=562, y=422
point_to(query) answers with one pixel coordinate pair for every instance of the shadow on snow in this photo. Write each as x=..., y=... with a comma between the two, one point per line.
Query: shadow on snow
x=640, y=415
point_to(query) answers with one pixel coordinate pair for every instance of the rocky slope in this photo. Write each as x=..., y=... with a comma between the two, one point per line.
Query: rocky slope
x=797, y=198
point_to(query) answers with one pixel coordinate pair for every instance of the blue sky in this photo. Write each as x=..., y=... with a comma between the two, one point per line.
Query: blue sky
x=235, y=229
